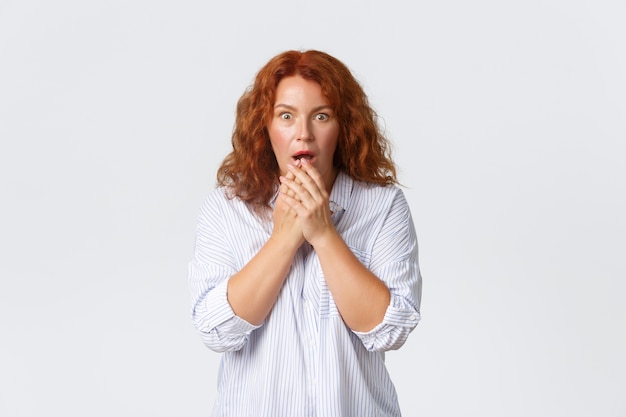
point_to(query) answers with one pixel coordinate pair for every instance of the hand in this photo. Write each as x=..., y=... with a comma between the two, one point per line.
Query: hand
x=285, y=220
x=304, y=191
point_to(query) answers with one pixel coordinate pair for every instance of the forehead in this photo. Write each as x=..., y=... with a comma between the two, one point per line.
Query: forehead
x=296, y=88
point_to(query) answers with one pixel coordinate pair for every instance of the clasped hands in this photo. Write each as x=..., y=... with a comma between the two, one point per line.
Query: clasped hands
x=302, y=211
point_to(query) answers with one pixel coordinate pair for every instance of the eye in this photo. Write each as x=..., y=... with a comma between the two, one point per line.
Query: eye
x=322, y=117
x=285, y=116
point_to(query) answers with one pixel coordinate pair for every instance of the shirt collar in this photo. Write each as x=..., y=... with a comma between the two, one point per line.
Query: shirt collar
x=340, y=194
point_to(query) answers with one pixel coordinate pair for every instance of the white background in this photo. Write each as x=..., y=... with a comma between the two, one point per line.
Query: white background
x=509, y=126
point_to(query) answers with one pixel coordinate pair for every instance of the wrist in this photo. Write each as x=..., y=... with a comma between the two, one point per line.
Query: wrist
x=324, y=240
x=284, y=244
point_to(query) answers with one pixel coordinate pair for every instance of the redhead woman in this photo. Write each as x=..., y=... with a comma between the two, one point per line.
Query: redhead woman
x=305, y=270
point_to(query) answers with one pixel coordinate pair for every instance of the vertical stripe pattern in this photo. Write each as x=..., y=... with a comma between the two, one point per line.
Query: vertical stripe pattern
x=303, y=360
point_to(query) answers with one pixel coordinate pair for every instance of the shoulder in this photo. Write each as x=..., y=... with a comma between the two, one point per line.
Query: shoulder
x=377, y=195
x=223, y=209
x=348, y=191
x=369, y=187
x=219, y=201
x=215, y=197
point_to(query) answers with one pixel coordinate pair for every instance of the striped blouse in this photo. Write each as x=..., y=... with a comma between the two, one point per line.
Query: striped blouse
x=303, y=360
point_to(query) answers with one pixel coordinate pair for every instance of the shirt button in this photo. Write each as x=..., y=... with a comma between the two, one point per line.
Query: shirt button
x=413, y=317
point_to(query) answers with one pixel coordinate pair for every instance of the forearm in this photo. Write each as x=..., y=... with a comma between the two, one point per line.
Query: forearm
x=361, y=297
x=253, y=290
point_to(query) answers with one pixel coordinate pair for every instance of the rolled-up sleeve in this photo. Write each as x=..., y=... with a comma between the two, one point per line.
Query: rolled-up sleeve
x=212, y=315
x=395, y=262
x=209, y=271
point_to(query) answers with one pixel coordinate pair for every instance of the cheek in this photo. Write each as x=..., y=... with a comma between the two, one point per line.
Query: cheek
x=277, y=146
x=278, y=137
x=274, y=139
x=280, y=149
x=332, y=141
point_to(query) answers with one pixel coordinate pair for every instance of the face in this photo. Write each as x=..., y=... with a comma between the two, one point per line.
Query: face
x=303, y=125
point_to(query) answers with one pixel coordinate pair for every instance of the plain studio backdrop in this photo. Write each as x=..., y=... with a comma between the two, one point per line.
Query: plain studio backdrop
x=508, y=121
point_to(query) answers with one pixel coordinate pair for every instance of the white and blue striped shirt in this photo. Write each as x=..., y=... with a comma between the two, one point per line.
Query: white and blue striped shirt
x=303, y=360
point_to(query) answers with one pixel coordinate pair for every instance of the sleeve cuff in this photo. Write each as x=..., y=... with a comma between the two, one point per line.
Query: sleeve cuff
x=391, y=333
x=221, y=314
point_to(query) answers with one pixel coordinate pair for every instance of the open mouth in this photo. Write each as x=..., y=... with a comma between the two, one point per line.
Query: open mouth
x=303, y=155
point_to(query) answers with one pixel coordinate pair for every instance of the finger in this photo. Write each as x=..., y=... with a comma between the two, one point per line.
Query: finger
x=292, y=188
x=290, y=174
x=303, y=204
x=284, y=187
x=314, y=174
x=291, y=202
x=296, y=189
x=310, y=188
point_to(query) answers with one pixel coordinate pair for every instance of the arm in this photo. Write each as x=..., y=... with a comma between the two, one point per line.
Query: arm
x=380, y=304
x=229, y=302
x=253, y=290
x=361, y=297
x=395, y=260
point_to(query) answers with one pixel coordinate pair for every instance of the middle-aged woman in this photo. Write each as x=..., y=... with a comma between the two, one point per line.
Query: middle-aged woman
x=305, y=269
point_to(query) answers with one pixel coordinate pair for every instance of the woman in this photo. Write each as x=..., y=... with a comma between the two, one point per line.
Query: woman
x=305, y=268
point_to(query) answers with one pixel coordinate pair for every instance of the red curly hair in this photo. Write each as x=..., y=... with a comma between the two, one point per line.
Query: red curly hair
x=251, y=170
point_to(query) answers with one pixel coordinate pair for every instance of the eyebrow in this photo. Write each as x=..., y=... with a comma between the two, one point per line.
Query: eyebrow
x=315, y=109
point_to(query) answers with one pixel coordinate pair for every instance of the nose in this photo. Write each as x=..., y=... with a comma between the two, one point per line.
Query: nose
x=305, y=133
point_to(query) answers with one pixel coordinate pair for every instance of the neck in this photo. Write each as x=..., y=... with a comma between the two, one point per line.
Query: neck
x=330, y=179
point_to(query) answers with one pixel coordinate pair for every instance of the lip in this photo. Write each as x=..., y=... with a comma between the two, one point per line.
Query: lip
x=304, y=153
